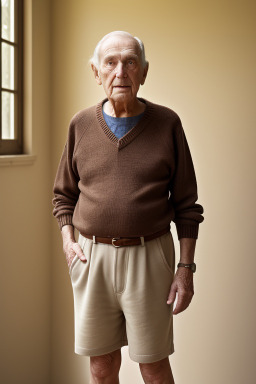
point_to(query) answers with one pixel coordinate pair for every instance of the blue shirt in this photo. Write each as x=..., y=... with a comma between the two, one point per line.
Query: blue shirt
x=121, y=125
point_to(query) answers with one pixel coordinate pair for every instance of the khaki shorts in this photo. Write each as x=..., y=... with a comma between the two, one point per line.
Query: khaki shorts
x=120, y=297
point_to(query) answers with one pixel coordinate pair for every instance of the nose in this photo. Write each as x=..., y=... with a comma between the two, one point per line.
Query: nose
x=120, y=70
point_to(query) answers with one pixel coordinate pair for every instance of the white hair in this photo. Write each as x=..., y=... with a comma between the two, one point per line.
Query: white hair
x=95, y=58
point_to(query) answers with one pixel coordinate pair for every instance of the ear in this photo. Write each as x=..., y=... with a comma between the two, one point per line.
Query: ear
x=145, y=72
x=96, y=74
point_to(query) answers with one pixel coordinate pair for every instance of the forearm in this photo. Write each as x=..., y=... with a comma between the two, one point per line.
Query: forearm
x=187, y=250
x=67, y=232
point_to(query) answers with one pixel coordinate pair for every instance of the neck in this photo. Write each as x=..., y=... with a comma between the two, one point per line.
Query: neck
x=120, y=109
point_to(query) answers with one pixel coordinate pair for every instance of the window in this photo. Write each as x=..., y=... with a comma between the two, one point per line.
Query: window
x=11, y=53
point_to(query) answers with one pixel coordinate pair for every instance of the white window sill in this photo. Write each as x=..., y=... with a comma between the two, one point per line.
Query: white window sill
x=13, y=160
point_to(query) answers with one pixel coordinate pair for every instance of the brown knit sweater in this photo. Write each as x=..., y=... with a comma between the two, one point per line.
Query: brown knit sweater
x=133, y=186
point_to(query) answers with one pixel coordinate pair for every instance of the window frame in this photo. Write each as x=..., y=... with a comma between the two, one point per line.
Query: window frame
x=14, y=146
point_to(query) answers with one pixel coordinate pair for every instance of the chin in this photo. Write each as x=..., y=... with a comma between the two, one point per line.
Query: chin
x=122, y=97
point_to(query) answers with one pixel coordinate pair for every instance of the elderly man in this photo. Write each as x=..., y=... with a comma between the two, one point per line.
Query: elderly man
x=125, y=174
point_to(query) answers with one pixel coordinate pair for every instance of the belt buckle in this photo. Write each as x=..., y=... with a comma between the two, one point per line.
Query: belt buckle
x=115, y=239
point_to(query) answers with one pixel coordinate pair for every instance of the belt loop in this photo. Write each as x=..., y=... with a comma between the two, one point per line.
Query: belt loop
x=94, y=241
x=142, y=241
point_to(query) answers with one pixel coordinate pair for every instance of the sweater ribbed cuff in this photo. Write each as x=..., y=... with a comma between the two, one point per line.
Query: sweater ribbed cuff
x=64, y=220
x=187, y=230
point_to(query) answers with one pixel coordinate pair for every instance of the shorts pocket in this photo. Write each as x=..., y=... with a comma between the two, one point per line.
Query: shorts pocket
x=81, y=241
x=166, y=249
x=73, y=262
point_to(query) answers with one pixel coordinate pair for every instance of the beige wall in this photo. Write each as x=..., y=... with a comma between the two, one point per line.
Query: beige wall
x=25, y=233
x=202, y=64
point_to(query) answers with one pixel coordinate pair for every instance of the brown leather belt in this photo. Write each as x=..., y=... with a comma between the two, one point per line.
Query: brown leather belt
x=126, y=241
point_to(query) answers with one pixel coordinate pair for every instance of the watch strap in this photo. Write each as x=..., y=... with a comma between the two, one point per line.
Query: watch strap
x=191, y=266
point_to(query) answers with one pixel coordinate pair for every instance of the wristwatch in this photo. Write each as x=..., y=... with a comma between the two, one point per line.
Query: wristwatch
x=190, y=266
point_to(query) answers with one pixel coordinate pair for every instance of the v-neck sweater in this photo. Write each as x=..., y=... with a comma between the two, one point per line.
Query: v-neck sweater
x=128, y=187
x=121, y=125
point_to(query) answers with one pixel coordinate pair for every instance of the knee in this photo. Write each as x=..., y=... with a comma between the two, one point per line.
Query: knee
x=105, y=366
x=156, y=373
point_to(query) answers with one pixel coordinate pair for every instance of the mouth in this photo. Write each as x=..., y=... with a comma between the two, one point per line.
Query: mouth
x=121, y=86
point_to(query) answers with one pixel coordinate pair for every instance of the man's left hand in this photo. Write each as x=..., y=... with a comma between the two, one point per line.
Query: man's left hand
x=184, y=287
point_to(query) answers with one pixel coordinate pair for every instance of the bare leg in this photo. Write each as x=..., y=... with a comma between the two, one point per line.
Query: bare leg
x=105, y=368
x=157, y=373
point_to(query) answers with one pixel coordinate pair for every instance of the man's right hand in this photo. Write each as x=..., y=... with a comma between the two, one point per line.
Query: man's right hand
x=70, y=246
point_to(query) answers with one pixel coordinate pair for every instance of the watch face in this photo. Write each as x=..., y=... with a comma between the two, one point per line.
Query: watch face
x=192, y=266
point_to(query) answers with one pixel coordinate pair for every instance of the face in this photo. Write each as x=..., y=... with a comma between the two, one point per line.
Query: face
x=120, y=69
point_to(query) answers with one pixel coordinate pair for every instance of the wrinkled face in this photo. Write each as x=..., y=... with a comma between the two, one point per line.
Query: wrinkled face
x=120, y=69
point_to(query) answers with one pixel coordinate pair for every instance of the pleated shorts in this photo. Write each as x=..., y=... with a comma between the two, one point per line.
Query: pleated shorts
x=120, y=297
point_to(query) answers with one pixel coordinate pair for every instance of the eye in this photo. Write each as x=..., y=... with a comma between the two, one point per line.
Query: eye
x=131, y=63
x=109, y=63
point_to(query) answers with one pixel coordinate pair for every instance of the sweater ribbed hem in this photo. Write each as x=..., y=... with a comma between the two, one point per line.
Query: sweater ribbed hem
x=187, y=230
x=64, y=220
